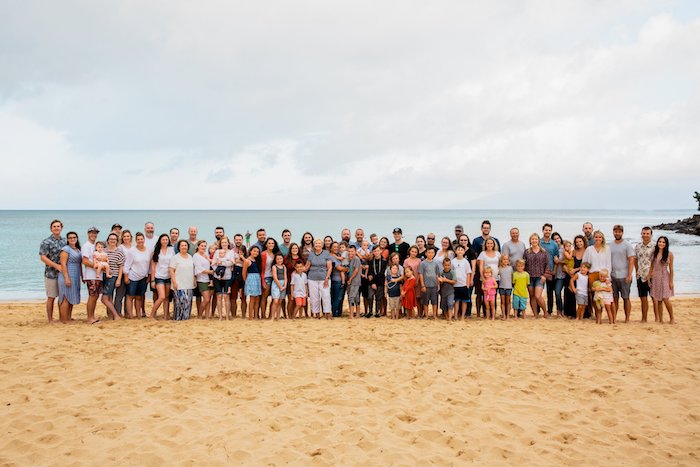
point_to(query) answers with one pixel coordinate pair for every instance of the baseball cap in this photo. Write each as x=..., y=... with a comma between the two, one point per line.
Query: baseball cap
x=93, y=229
x=397, y=230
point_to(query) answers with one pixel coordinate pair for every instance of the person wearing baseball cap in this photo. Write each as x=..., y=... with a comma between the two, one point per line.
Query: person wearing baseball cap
x=399, y=246
x=459, y=230
x=90, y=278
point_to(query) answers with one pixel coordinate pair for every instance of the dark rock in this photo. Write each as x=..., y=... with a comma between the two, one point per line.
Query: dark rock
x=690, y=226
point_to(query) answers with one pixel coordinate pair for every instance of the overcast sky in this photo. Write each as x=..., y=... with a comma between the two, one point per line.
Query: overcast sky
x=364, y=104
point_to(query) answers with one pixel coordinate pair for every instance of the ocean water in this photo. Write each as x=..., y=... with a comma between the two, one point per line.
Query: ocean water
x=21, y=232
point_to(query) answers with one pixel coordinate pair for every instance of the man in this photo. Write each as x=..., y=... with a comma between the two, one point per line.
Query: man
x=514, y=248
x=238, y=284
x=430, y=241
x=478, y=242
x=262, y=237
x=551, y=247
x=150, y=238
x=643, y=252
x=588, y=232
x=286, y=242
x=192, y=240
x=218, y=235
x=359, y=238
x=399, y=246
x=93, y=283
x=373, y=240
x=622, y=256
x=117, y=229
x=50, y=254
x=345, y=235
x=174, y=237
x=459, y=230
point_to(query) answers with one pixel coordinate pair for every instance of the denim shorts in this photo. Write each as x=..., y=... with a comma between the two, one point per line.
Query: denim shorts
x=508, y=292
x=137, y=288
x=536, y=282
x=278, y=293
x=108, y=284
x=222, y=286
x=162, y=281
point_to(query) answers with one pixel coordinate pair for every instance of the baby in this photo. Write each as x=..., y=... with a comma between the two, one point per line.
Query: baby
x=100, y=260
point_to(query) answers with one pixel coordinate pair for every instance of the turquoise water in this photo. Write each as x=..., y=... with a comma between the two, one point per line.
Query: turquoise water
x=21, y=232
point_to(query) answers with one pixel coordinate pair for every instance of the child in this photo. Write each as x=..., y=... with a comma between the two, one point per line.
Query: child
x=489, y=287
x=376, y=278
x=408, y=292
x=300, y=288
x=579, y=286
x=568, y=256
x=279, y=285
x=100, y=260
x=521, y=280
x=447, y=289
x=428, y=277
x=505, y=285
x=354, y=279
x=393, y=291
x=603, y=297
x=251, y=275
x=463, y=280
x=342, y=256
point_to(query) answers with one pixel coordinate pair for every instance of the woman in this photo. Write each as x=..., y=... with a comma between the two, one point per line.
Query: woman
x=327, y=242
x=116, y=269
x=559, y=274
x=569, y=296
x=537, y=265
x=136, y=269
x=420, y=244
x=267, y=258
x=183, y=281
x=222, y=264
x=202, y=270
x=120, y=292
x=160, y=275
x=319, y=281
x=472, y=257
x=69, y=277
x=384, y=245
x=600, y=257
x=445, y=250
x=337, y=292
x=661, y=279
x=290, y=261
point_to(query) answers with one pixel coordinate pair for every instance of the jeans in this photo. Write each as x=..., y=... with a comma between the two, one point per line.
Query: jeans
x=550, y=295
x=558, y=287
x=337, y=294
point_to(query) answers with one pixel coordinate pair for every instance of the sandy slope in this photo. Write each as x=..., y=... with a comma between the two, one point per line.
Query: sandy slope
x=341, y=392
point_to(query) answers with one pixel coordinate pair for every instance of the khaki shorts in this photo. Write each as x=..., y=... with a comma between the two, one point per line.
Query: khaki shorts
x=51, y=286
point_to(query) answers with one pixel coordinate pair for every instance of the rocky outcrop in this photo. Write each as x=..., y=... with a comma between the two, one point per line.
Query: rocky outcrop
x=690, y=226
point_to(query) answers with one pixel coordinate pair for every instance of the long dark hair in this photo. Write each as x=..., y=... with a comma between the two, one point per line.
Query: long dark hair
x=301, y=243
x=664, y=256
x=156, y=249
x=275, y=249
x=585, y=241
x=77, y=238
x=258, y=259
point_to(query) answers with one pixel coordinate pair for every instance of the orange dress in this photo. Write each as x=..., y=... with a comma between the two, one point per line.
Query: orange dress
x=409, y=290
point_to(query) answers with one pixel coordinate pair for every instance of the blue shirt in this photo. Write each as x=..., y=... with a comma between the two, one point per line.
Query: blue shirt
x=478, y=244
x=552, y=249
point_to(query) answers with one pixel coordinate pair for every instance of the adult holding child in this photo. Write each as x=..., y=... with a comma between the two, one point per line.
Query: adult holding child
x=69, y=278
x=598, y=255
x=183, y=281
x=116, y=261
x=136, y=269
x=93, y=282
x=50, y=254
x=537, y=266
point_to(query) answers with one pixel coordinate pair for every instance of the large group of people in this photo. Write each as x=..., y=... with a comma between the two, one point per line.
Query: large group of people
x=578, y=279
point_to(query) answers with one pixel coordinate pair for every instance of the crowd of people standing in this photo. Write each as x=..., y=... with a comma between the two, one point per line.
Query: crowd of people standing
x=577, y=278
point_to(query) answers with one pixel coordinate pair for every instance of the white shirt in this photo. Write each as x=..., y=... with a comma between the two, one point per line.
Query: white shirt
x=150, y=243
x=602, y=260
x=461, y=268
x=299, y=282
x=164, y=263
x=201, y=264
x=138, y=264
x=88, y=250
x=490, y=262
x=184, y=271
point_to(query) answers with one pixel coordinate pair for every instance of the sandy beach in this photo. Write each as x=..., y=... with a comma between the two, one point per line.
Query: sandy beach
x=370, y=392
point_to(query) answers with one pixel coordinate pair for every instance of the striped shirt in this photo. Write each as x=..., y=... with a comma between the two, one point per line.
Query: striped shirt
x=116, y=258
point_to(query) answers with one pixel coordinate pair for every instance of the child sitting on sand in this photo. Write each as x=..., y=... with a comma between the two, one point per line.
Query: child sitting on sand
x=603, y=297
x=100, y=260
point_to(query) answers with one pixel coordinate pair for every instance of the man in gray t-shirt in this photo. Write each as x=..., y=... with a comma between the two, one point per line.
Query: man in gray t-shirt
x=514, y=248
x=622, y=256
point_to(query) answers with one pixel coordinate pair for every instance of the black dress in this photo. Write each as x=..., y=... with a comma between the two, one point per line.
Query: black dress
x=569, y=296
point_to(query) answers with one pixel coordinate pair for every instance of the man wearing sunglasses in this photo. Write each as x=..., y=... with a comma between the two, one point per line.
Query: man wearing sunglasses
x=399, y=246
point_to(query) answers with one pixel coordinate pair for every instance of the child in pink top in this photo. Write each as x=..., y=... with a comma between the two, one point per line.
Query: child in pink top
x=489, y=287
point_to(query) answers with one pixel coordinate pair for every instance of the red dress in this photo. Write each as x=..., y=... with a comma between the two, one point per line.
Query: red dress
x=409, y=289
